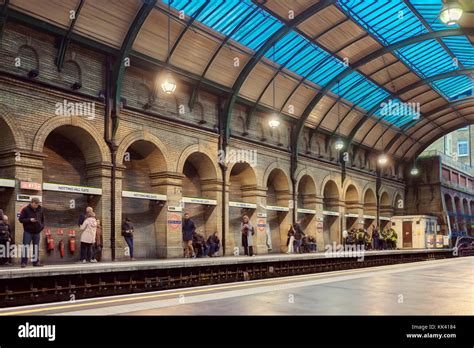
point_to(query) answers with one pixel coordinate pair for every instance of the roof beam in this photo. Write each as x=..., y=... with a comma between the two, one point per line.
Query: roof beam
x=119, y=66
x=279, y=34
x=65, y=40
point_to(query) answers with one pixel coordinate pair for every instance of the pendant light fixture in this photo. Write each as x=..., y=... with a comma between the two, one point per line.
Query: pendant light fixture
x=169, y=84
x=274, y=120
x=383, y=159
x=339, y=144
x=451, y=12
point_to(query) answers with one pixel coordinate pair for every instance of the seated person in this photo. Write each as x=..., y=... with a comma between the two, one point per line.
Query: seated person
x=312, y=244
x=199, y=244
x=213, y=244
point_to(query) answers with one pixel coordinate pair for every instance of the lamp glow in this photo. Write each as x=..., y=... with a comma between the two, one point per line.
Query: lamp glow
x=451, y=12
x=274, y=122
x=383, y=159
x=169, y=84
x=339, y=144
x=414, y=171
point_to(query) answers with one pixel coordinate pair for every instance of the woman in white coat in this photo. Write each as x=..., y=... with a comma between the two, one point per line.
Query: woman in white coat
x=88, y=229
x=247, y=231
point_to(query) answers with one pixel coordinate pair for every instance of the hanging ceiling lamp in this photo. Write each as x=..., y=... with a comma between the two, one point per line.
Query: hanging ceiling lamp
x=383, y=159
x=339, y=144
x=169, y=84
x=414, y=171
x=274, y=120
x=451, y=12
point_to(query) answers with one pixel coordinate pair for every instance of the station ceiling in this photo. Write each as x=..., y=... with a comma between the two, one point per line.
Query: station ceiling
x=331, y=64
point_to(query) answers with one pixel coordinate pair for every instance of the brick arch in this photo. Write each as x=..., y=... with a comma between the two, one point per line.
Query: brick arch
x=193, y=149
x=139, y=135
x=366, y=189
x=272, y=166
x=253, y=179
x=328, y=178
x=13, y=138
x=305, y=172
x=87, y=130
x=349, y=183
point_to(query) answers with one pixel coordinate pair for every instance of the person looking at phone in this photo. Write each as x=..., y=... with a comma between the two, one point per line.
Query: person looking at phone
x=32, y=218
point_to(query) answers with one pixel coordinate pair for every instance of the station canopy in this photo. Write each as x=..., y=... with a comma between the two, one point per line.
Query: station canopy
x=387, y=74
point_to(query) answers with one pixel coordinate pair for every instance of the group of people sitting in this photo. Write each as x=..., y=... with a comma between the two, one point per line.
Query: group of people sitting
x=297, y=242
x=387, y=239
x=194, y=244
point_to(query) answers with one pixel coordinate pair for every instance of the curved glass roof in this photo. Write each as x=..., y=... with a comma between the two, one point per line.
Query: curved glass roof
x=389, y=21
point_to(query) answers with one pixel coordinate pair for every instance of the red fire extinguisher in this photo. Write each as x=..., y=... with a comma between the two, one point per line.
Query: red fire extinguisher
x=49, y=240
x=72, y=241
x=61, y=248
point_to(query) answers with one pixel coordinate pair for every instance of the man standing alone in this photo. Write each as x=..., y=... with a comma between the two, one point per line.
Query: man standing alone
x=188, y=230
x=32, y=218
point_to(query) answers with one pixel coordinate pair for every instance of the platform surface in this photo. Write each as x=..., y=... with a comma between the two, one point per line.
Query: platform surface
x=9, y=272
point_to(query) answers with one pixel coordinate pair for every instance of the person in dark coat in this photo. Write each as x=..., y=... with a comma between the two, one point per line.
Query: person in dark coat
x=32, y=218
x=375, y=239
x=127, y=233
x=188, y=230
x=5, y=237
x=299, y=234
x=213, y=243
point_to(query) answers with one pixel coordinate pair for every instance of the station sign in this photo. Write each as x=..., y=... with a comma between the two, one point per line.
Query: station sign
x=368, y=217
x=384, y=218
x=174, y=208
x=262, y=215
x=29, y=185
x=277, y=208
x=330, y=213
x=243, y=205
x=291, y=204
x=319, y=225
x=174, y=221
x=261, y=224
x=27, y=198
x=306, y=211
x=351, y=215
x=72, y=189
x=194, y=200
x=144, y=195
x=7, y=183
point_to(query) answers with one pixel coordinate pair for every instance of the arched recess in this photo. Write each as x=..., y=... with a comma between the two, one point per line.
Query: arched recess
x=9, y=142
x=242, y=200
x=331, y=218
x=467, y=215
x=71, y=180
x=277, y=204
x=306, y=204
x=386, y=210
x=353, y=207
x=200, y=189
x=141, y=199
x=370, y=210
x=459, y=215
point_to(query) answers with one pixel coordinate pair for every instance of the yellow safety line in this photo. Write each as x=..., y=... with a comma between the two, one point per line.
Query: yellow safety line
x=191, y=291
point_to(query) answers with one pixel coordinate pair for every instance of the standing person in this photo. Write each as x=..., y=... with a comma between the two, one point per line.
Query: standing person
x=344, y=237
x=99, y=243
x=299, y=234
x=268, y=241
x=375, y=238
x=188, y=230
x=5, y=237
x=290, y=240
x=32, y=218
x=83, y=216
x=247, y=231
x=127, y=233
x=88, y=229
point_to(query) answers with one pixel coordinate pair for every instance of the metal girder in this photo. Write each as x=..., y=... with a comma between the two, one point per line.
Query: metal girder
x=185, y=30
x=64, y=44
x=397, y=94
x=3, y=17
x=119, y=66
x=444, y=129
x=361, y=62
x=280, y=33
x=192, y=99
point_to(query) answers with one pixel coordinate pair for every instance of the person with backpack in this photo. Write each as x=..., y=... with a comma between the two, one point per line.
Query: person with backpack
x=5, y=238
x=32, y=218
x=88, y=228
x=127, y=233
x=247, y=231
